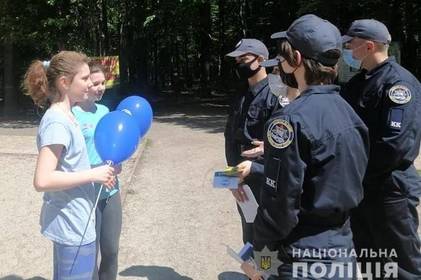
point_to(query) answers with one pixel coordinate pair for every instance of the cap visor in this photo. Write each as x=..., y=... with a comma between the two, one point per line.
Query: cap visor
x=278, y=35
x=346, y=39
x=235, y=53
x=269, y=63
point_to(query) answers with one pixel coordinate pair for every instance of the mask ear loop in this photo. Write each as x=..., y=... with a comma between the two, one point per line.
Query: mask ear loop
x=280, y=66
x=251, y=62
x=254, y=59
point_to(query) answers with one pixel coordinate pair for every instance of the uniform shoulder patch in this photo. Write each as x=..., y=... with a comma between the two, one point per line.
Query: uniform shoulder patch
x=280, y=133
x=399, y=94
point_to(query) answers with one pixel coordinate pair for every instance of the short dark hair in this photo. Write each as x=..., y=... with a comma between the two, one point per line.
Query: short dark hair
x=315, y=72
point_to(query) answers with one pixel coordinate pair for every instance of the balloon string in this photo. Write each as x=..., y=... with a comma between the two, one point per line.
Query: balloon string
x=109, y=163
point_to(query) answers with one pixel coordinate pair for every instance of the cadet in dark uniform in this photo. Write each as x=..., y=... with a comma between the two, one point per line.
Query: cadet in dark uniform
x=316, y=153
x=249, y=113
x=285, y=94
x=388, y=99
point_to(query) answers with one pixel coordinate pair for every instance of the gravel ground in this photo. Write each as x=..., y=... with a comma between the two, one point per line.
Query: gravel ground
x=174, y=222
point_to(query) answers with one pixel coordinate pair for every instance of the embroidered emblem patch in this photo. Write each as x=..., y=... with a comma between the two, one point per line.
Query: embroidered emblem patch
x=395, y=118
x=267, y=262
x=271, y=183
x=400, y=94
x=280, y=134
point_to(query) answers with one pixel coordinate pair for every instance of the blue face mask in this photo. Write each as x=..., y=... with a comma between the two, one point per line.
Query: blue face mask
x=349, y=60
x=277, y=87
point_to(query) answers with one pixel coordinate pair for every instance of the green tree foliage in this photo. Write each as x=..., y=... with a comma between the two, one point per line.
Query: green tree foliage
x=180, y=45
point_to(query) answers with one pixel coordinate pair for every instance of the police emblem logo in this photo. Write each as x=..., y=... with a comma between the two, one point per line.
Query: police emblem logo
x=400, y=94
x=265, y=262
x=280, y=134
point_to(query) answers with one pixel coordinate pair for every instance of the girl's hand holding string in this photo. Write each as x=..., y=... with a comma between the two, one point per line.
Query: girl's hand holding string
x=104, y=174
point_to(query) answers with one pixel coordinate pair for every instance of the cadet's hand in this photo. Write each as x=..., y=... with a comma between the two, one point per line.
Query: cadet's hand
x=255, y=152
x=244, y=169
x=104, y=174
x=251, y=272
x=240, y=194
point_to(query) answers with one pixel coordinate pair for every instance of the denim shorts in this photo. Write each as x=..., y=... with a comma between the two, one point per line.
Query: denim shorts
x=66, y=266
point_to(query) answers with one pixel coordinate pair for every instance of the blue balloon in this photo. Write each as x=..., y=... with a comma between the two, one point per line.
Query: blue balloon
x=116, y=137
x=140, y=109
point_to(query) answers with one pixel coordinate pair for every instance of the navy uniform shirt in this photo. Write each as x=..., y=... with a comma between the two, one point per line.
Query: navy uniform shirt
x=388, y=100
x=248, y=115
x=316, y=153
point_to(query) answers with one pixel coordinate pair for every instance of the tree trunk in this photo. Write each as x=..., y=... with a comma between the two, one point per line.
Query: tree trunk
x=143, y=60
x=155, y=63
x=410, y=50
x=186, y=69
x=104, y=22
x=10, y=95
x=243, y=17
x=123, y=58
x=222, y=72
x=205, y=44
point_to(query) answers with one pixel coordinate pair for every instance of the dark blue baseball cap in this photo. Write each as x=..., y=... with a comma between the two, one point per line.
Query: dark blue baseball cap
x=272, y=62
x=313, y=37
x=369, y=29
x=252, y=46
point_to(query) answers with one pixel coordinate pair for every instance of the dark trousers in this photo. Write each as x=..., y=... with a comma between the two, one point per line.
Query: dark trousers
x=108, y=229
x=317, y=249
x=286, y=272
x=385, y=223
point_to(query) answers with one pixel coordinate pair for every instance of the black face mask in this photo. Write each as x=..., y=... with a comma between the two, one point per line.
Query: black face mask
x=244, y=71
x=288, y=78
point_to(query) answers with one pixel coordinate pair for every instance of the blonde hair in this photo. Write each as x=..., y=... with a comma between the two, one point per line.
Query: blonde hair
x=382, y=47
x=40, y=80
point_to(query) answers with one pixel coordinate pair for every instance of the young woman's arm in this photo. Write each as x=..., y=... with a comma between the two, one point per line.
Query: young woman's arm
x=47, y=178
